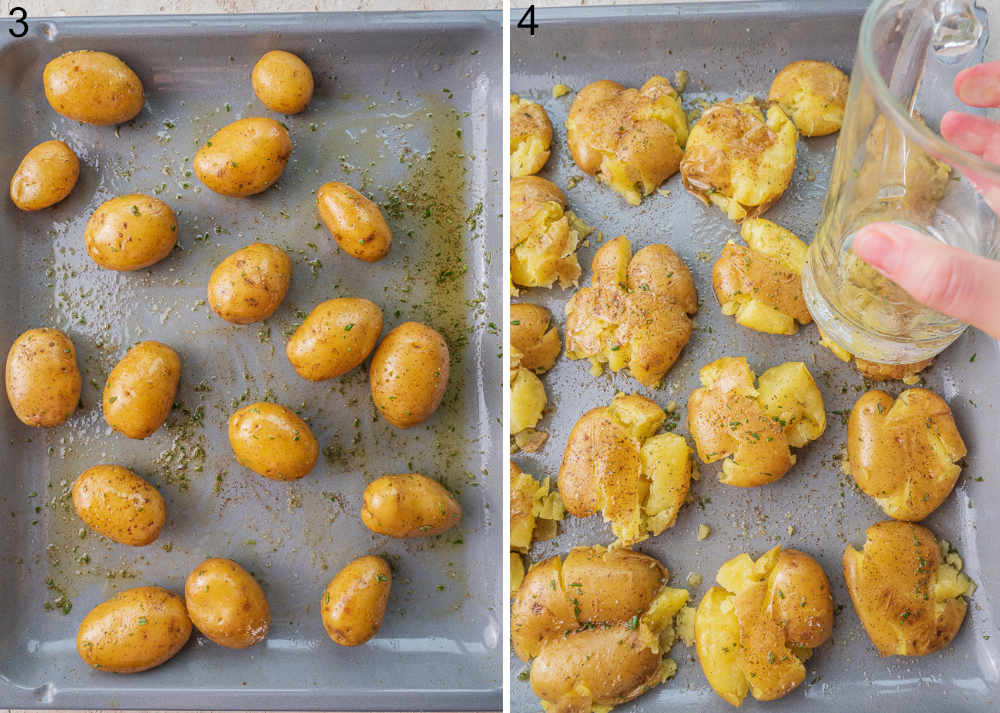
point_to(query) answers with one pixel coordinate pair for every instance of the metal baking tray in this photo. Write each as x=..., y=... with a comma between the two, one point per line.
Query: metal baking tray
x=733, y=50
x=407, y=108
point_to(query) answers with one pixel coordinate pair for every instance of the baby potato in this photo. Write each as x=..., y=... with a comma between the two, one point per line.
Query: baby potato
x=119, y=504
x=336, y=337
x=409, y=505
x=45, y=176
x=136, y=630
x=141, y=388
x=131, y=232
x=530, y=136
x=272, y=441
x=93, y=87
x=409, y=374
x=42, y=377
x=249, y=285
x=534, y=509
x=282, y=82
x=534, y=335
x=875, y=371
x=226, y=604
x=355, y=222
x=813, y=94
x=244, y=158
x=355, y=600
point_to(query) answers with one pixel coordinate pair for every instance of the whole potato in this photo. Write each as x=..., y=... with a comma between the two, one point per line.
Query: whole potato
x=226, y=604
x=409, y=505
x=131, y=232
x=244, y=158
x=354, y=601
x=335, y=337
x=43, y=379
x=409, y=374
x=135, y=630
x=249, y=285
x=272, y=441
x=119, y=504
x=93, y=87
x=282, y=82
x=355, y=222
x=141, y=388
x=45, y=176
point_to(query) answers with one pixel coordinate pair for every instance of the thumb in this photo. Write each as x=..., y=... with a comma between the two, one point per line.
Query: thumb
x=939, y=276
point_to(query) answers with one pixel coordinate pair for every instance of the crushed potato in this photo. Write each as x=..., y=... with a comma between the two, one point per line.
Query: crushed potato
x=544, y=235
x=907, y=373
x=813, y=94
x=560, y=90
x=527, y=396
x=532, y=505
x=530, y=136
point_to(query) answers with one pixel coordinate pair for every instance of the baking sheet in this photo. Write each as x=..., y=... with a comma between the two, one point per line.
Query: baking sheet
x=407, y=108
x=732, y=50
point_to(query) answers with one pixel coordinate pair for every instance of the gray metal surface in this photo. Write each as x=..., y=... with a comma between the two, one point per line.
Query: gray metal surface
x=733, y=50
x=407, y=108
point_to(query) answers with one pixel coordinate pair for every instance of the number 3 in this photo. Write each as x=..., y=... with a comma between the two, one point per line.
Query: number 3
x=19, y=21
x=527, y=21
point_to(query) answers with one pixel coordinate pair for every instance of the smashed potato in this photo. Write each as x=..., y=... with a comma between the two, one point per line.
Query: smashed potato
x=636, y=314
x=762, y=284
x=908, y=589
x=534, y=336
x=753, y=428
x=534, y=510
x=903, y=452
x=739, y=160
x=813, y=94
x=527, y=396
x=544, y=235
x=753, y=631
x=630, y=139
x=615, y=463
x=875, y=371
x=530, y=136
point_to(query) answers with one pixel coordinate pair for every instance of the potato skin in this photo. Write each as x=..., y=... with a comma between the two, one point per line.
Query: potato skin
x=355, y=222
x=534, y=335
x=244, y=158
x=409, y=374
x=93, y=87
x=226, y=604
x=409, y=505
x=119, y=504
x=250, y=284
x=135, y=630
x=42, y=377
x=131, y=232
x=272, y=441
x=336, y=337
x=282, y=82
x=141, y=388
x=355, y=600
x=45, y=176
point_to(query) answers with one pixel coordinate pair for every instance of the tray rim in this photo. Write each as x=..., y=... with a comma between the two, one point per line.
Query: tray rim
x=568, y=14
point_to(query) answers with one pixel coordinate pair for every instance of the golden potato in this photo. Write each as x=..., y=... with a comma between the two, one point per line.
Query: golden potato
x=409, y=374
x=738, y=159
x=45, y=176
x=534, y=510
x=250, y=283
x=93, y=87
x=813, y=95
x=630, y=139
x=530, y=136
x=615, y=463
x=119, y=504
x=355, y=601
x=226, y=604
x=131, y=232
x=753, y=427
x=907, y=373
x=534, y=335
x=272, y=441
x=355, y=222
x=42, y=377
x=140, y=390
x=136, y=630
x=636, y=313
x=336, y=337
x=516, y=573
x=907, y=588
x=527, y=396
x=904, y=452
x=544, y=235
x=409, y=505
x=244, y=158
x=762, y=284
x=282, y=82
x=754, y=631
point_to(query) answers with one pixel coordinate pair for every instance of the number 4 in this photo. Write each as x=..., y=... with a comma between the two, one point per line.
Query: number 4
x=527, y=21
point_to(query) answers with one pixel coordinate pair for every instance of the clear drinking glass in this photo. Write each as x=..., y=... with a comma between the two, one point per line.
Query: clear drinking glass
x=892, y=165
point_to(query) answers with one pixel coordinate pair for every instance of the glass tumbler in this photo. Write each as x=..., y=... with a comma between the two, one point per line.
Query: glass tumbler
x=892, y=165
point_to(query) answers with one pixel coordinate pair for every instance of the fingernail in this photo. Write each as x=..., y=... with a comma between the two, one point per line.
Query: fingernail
x=979, y=89
x=878, y=250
